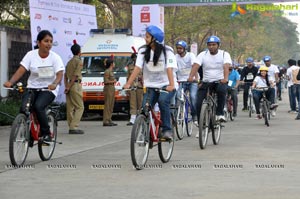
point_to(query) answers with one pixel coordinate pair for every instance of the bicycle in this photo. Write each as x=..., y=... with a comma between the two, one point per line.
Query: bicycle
x=183, y=115
x=146, y=131
x=25, y=131
x=251, y=107
x=229, y=106
x=265, y=105
x=207, y=120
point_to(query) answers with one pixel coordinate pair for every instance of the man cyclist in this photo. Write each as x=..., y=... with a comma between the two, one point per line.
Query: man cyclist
x=215, y=64
x=273, y=73
x=248, y=74
x=158, y=64
x=185, y=61
x=233, y=84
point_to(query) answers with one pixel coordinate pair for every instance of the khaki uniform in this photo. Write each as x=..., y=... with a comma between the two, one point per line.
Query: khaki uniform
x=136, y=96
x=74, y=99
x=109, y=96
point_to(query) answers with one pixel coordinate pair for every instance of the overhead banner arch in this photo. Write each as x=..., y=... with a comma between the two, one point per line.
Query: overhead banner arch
x=147, y=12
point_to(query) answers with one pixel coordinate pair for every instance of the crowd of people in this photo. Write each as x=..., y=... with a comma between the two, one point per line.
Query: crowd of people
x=156, y=66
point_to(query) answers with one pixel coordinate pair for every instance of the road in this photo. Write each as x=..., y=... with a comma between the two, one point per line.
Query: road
x=251, y=161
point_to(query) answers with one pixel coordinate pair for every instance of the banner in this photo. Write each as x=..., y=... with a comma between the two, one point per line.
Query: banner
x=66, y=21
x=145, y=15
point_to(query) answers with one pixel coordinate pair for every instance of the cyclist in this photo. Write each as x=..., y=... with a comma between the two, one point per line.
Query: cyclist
x=262, y=80
x=247, y=76
x=185, y=61
x=233, y=84
x=158, y=64
x=46, y=71
x=273, y=74
x=215, y=64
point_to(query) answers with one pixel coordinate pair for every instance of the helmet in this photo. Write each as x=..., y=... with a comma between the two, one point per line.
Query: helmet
x=156, y=32
x=267, y=58
x=263, y=68
x=250, y=59
x=182, y=43
x=213, y=39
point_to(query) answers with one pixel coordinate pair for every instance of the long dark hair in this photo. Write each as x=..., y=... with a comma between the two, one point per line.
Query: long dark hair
x=267, y=78
x=42, y=34
x=159, y=48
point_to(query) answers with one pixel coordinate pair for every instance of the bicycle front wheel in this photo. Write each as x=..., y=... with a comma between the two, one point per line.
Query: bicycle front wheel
x=19, y=140
x=165, y=147
x=250, y=106
x=265, y=112
x=180, y=121
x=188, y=120
x=139, y=142
x=46, y=149
x=203, y=126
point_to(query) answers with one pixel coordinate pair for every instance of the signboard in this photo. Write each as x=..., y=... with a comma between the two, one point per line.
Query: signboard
x=66, y=21
x=145, y=15
x=203, y=2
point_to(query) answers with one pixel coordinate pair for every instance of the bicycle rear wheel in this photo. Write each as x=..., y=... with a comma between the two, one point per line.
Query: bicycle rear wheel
x=46, y=149
x=165, y=147
x=139, y=142
x=204, y=121
x=180, y=121
x=19, y=140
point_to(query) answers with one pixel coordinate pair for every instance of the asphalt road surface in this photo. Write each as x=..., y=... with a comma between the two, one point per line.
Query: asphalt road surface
x=251, y=161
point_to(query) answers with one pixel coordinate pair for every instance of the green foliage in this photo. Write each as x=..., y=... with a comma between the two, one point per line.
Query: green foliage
x=9, y=109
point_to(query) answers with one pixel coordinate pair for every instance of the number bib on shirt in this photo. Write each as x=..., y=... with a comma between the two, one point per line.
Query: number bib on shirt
x=158, y=68
x=45, y=72
x=249, y=76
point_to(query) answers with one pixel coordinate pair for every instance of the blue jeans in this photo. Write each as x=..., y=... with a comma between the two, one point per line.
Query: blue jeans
x=257, y=95
x=40, y=100
x=221, y=91
x=292, y=97
x=164, y=100
x=192, y=88
x=297, y=91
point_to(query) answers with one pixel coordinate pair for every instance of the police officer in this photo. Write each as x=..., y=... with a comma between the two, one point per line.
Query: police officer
x=109, y=93
x=136, y=96
x=73, y=90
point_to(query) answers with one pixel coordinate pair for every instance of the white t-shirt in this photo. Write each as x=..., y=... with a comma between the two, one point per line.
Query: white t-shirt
x=260, y=82
x=289, y=74
x=42, y=70
x=272, y=71
x=213, y=65
x=156, y=76
x=184, y=65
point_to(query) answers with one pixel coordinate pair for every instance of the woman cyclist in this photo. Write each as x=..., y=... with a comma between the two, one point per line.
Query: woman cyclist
x=46, y=71
x=158, y=64
x=260, y=81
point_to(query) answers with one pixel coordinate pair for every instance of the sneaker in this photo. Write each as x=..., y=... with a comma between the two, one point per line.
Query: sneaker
x=258, y=116
x=221, y=118
x=129, y=124
x=47, y=138
x=234, y=115
x=298, y=117
x=76, y=131
x=245, y=109
x=273, y=106
x=273, y=113
x=168, y=135
x=196, y=123
x=197, y=135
